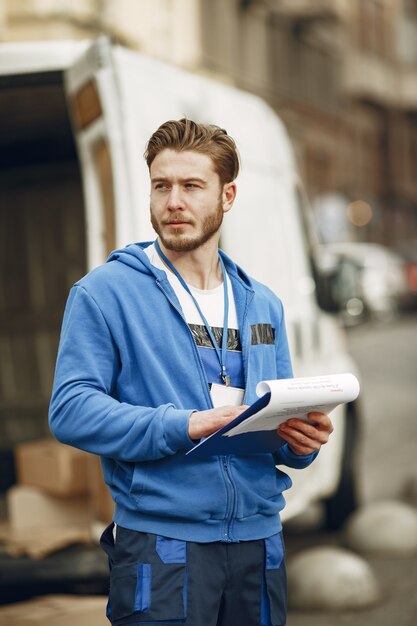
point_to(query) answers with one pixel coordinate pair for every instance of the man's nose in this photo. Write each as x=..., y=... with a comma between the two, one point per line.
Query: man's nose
x=175, y=198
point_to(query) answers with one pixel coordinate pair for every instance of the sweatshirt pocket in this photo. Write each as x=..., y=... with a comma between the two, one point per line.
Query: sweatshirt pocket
x=259, y=485
x=166, y=487
x=139, y=480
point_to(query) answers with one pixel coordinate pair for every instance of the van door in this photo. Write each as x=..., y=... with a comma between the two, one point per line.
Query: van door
x=42, y=247
x=94, y=108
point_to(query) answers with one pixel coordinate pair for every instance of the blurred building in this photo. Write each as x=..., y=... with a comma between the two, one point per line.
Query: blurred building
x=341, y=73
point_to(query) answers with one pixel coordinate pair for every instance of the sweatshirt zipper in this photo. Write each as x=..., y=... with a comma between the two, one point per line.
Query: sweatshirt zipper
x=224, y=459
x=231, y=498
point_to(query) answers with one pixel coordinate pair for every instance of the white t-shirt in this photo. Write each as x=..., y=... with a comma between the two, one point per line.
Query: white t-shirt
x=211, y=302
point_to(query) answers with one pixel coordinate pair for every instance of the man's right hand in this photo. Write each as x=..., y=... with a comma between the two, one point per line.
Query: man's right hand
x=205, y=423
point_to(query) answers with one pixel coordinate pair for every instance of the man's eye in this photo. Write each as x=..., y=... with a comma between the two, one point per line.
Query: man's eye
x=191, y=186
x=161, y=187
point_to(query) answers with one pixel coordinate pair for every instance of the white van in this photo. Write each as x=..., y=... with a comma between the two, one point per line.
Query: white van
x=63, y=210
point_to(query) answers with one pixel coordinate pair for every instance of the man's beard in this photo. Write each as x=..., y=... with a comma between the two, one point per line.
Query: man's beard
x=178, y=242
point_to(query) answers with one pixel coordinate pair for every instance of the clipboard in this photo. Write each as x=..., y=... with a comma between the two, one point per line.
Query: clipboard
x=245, y=443
x=279, y=400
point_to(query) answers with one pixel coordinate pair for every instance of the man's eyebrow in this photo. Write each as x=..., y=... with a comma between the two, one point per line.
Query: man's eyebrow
x=189, y=179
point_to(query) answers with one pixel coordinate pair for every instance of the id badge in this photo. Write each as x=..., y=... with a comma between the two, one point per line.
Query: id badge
x=221, y=395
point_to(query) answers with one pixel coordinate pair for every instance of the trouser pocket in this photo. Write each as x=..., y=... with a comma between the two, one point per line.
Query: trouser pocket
x=148, y=579
x=274, y=585
x=130, y=590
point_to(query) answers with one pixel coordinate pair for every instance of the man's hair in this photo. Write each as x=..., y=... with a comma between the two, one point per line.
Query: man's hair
x=207, y=139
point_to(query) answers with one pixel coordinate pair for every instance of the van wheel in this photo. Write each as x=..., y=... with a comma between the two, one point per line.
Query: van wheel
x=345, y=500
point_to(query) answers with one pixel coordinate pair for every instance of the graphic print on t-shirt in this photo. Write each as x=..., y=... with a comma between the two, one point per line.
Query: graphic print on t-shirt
x=209, y=357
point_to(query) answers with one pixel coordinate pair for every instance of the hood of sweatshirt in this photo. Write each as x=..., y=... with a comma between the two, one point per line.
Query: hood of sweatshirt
x=133, y=255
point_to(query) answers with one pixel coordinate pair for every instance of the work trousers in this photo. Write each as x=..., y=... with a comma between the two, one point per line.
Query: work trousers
x=158, y=580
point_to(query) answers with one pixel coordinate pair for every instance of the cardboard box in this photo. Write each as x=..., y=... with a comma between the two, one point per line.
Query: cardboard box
x=38, y=543
x=54, y=467
x=101, y=502
x=30, y=508
x=56, y=611
x=40, y=523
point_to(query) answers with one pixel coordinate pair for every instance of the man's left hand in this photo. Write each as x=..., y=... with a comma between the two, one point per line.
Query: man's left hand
x=306, y=437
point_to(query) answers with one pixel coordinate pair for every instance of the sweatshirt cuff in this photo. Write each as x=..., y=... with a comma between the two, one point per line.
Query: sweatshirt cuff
x=297, y=461
x=176, y=429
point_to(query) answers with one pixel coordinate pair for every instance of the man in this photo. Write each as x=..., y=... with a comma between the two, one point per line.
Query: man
x=160, y=347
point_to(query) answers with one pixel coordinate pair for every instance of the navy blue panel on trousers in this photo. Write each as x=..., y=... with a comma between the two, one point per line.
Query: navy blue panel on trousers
x=158, y=580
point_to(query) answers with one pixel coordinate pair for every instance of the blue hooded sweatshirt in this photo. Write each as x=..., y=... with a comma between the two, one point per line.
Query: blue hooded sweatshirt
x=129, y=375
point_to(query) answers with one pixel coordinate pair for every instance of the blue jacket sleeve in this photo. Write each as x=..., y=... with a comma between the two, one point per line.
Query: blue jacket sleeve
x=83, y=412
x=285, y=456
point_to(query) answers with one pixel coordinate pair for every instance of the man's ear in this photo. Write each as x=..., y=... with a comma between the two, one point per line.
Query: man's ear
x=228, y=195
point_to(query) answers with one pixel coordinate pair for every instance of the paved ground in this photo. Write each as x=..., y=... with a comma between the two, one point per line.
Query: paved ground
x=387, y=357
x=397, y=577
